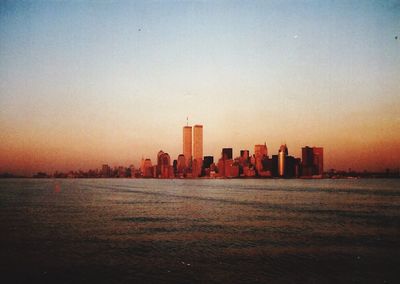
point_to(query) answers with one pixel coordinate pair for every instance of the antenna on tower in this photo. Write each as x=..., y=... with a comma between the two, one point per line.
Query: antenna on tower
x=187, y=121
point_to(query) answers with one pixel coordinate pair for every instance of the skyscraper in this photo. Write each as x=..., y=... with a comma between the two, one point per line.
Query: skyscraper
x=260, y=150
x=158, y=167
x=244, y=154
x=208, y=160
x=166, y=170
x=312, y=161
x=147, y=168
x=283, y=152
x=198, y=143
x=187, y=143
x=227, y=153
x=307, y=161
x=181, y=164
x=319, y=160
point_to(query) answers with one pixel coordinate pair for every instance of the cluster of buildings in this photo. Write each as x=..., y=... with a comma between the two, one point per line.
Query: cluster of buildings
x=192, y=164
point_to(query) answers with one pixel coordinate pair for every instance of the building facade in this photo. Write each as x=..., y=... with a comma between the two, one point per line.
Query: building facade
x=198, y=143
x=227, y=153
x=312, y=161
x=260, y=150
x=187, y=143
x=282, y=154
x=260, y=153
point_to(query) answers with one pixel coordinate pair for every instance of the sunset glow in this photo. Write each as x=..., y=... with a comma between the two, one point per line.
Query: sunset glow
x=88, y=83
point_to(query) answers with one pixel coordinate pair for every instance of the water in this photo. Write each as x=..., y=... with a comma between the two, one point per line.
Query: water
x=199, y=231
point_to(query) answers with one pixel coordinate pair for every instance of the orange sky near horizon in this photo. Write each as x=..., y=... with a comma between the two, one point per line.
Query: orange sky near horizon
x=363, y=146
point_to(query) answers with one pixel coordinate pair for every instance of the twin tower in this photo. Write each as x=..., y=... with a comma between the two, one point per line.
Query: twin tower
x=197, y=142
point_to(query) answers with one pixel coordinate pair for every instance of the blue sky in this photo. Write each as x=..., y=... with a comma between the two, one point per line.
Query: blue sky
x=110, y=81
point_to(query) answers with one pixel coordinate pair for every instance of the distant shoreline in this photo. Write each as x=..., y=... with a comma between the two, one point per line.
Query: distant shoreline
x=381, y=176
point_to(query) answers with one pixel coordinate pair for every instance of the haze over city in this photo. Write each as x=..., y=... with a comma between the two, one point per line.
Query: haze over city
x=85, y=83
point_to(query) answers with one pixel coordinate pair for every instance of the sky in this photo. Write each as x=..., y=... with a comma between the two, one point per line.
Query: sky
x=83, y=83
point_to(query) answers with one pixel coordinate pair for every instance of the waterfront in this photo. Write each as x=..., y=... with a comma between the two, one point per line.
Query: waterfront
x=185, y=231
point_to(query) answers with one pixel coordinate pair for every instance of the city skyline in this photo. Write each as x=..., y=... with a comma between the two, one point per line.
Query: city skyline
x=83, y=83
x=188, y=142
x=194, y=165
x=246, y=165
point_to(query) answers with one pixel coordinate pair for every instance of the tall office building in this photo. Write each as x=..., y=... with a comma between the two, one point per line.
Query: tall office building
x=275, y=171
x=260, y=150
x=283, y=152
x=166, y=170
x=319, y=160
x=160, y=153
x=181, y=164
x=307, y=161
x=208, y=160
x=227, y=153
x=198, y=143
x=187, y=143
x=312, y=161
x=244, y=158
x=147, y=168
x=244, y=154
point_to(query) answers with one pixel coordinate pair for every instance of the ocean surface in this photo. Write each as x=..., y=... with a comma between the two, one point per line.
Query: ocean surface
x=199, y=231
